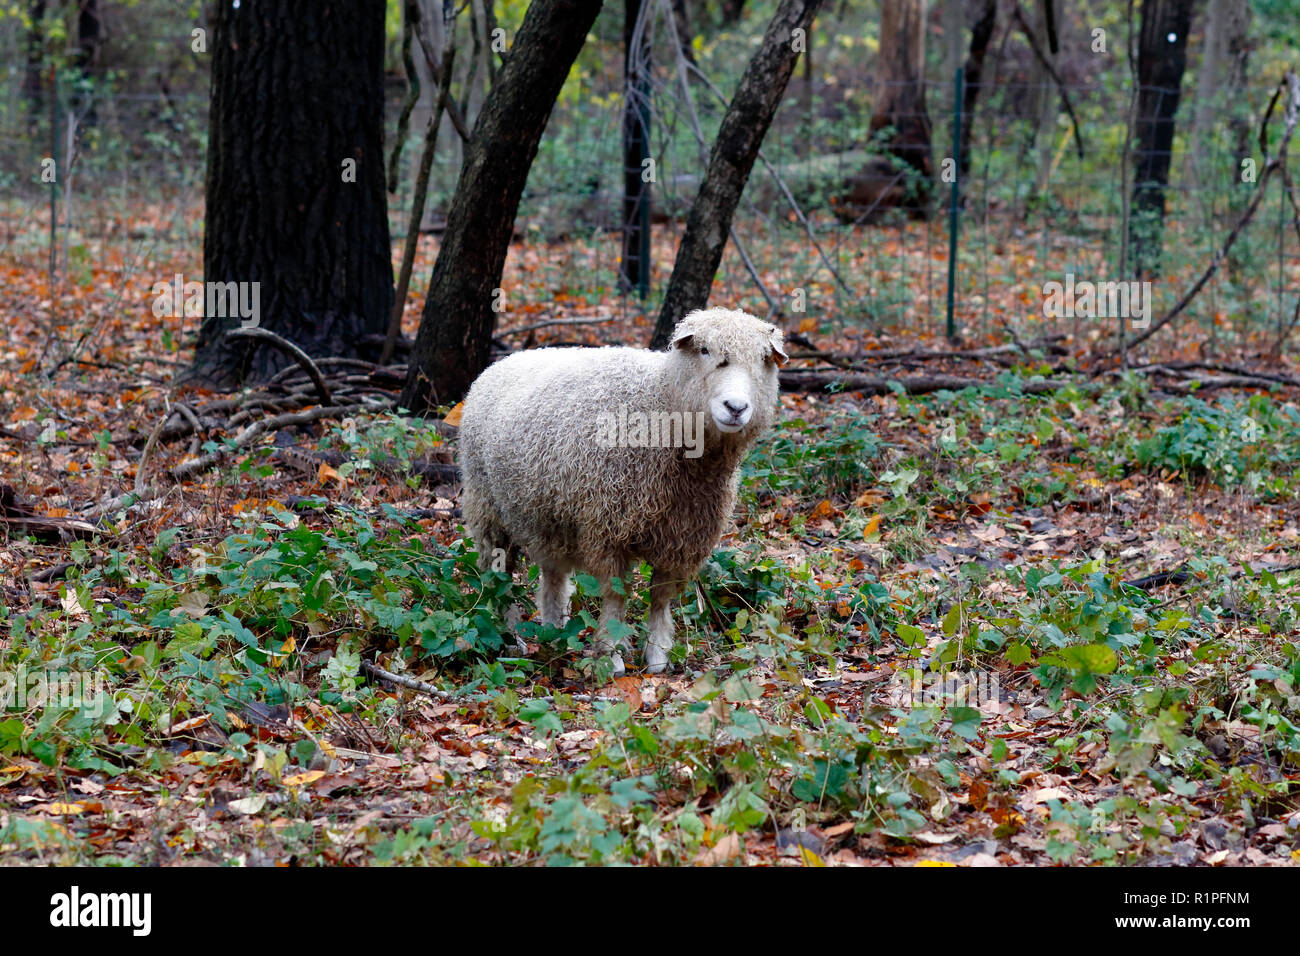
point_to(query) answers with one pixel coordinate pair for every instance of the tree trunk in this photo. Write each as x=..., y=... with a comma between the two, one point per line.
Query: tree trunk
x=1162, y=55
x=682, y=20
x=455, y=337
x=980, y=36
x=449, y=143
x=1237, y=46
x=900, y=93
x=953, y=22
x=295, y=181
x=89, y=37
x=35, y=61
x=634, y=266
x=731, y=11
x=741, y=134
x=1046, y=95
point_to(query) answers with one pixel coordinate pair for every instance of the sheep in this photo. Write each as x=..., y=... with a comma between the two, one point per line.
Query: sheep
x=596, y=459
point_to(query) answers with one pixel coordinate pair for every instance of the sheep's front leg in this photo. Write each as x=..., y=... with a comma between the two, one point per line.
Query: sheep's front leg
x=504, y=558
x=554, y=590
x=664, y=586
x=612, y=609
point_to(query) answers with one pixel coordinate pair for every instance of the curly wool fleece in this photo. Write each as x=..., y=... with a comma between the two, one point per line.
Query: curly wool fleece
x=544, y=472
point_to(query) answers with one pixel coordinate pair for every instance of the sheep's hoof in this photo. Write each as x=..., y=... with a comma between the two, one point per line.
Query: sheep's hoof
x=616, y=659
x=656, y=660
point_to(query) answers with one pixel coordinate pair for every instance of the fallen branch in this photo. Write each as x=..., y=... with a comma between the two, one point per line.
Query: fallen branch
x=23, y=519
x=1281, y=378
x=1182, y=574
x=187, y=469
x=153, y=439
x=797, y=381
x=122, y=502
x=287, y=347
x=418, y=685
x=408, y=682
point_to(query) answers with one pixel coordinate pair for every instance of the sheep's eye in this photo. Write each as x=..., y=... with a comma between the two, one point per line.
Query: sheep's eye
x=704, y=351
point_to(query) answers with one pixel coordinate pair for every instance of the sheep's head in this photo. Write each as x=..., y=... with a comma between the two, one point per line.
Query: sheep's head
x=725, y=362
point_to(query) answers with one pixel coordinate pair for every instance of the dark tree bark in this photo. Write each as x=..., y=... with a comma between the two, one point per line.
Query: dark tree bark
x=89, y=34
x=980, y=36
x=734, y=151
x=89, y=38
x=731, y=11
x=35, y=60
x=453, y=343
x=634, y=265
x=900, y=90
x=295, y=180
x=682, y=20
x=1162, y=55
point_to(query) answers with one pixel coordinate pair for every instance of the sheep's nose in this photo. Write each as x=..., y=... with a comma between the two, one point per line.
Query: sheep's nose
x=736, y=408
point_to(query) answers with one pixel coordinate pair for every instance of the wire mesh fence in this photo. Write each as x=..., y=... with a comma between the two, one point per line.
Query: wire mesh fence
x=1040, y=202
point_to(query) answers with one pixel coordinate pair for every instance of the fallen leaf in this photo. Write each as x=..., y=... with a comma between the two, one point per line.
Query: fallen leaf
x=301, y=779
x=248, y=805
x=727, y=848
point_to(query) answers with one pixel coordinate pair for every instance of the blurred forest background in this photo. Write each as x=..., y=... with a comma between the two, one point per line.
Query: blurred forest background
x=117, y=94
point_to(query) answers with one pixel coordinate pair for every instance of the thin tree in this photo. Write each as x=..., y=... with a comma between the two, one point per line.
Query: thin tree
x=732, y=158
x=1162, y=56
x=455, y=336
x=634, y=264
x=295, y=181
x=35, y=61
x=980, y=36
x=89, y=40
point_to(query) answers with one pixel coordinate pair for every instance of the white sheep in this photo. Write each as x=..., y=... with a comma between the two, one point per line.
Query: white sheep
x=595, y=459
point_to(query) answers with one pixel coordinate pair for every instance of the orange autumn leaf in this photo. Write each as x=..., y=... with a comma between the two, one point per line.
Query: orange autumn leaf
x=453, y=416
x=868, y=499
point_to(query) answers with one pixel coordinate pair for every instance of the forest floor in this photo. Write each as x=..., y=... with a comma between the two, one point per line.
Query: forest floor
x=1006, y=624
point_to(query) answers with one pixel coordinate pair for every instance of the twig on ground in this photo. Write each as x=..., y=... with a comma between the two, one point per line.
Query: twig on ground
x=187, y=469
x=1182, y=574
x=799, y=381
x=418, y=685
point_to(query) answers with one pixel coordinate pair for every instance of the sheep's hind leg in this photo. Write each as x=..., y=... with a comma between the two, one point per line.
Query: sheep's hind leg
x=664, y=586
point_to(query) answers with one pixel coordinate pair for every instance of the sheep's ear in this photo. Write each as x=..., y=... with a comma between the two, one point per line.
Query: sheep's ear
x=684, y=340
x=778, y=353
